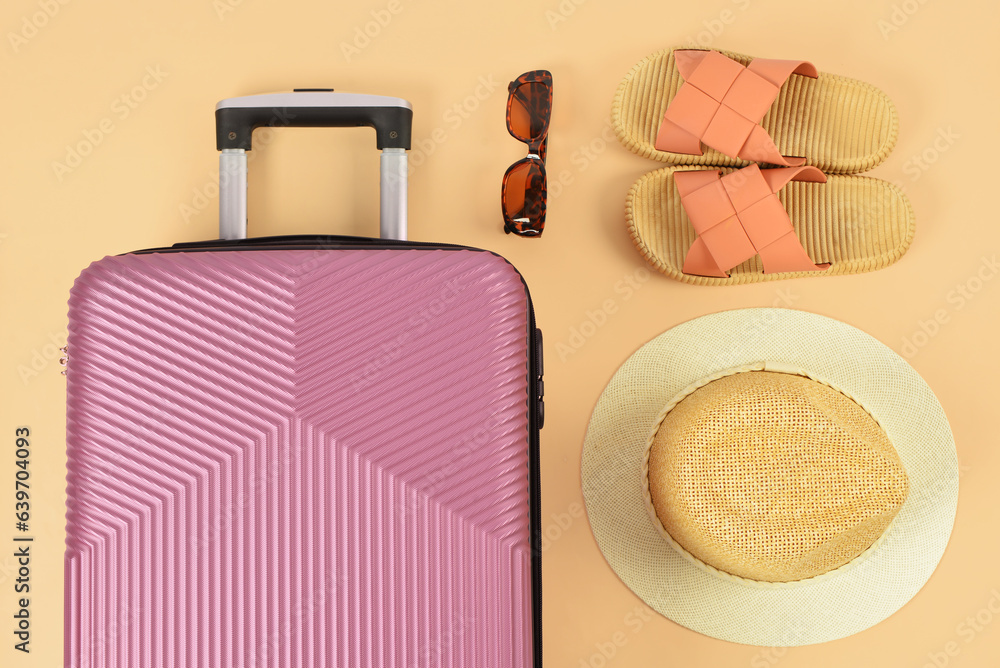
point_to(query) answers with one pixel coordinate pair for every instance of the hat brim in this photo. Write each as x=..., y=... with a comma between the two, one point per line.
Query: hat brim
x=825, y=608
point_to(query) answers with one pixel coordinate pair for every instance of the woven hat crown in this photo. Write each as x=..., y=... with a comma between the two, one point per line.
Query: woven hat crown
x=773, y=476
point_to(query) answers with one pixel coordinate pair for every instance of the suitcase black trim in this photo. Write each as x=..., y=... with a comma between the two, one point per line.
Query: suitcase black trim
x=535, y=369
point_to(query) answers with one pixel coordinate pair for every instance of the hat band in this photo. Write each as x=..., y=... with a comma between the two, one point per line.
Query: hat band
x=775, y=367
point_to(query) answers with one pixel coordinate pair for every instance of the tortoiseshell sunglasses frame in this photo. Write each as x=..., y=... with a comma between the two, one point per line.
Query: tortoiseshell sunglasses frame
x=540, y=111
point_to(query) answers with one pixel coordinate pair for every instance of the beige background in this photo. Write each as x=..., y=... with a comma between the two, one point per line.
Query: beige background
x=148, y=180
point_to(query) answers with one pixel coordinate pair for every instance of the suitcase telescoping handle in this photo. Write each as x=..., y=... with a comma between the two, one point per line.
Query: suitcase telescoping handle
x=236, y=118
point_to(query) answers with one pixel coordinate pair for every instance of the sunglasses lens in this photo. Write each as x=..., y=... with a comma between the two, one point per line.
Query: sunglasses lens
x=524, y=196
x=529, y=110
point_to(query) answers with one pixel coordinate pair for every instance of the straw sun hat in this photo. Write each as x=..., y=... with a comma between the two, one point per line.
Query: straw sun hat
x=770, y=477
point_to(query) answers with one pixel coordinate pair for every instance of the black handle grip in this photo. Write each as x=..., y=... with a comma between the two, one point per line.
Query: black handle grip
x=235, y=120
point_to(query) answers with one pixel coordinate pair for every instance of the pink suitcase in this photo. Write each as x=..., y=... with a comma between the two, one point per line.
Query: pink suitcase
x=303, y=451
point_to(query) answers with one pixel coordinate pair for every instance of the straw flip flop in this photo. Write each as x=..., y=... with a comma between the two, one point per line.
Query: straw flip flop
x=700, y=107
x=728, y=227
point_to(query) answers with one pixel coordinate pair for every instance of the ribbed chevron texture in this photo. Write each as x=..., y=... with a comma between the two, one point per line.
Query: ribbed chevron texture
x=298, y=459
x=856, y=223
x=838, y=124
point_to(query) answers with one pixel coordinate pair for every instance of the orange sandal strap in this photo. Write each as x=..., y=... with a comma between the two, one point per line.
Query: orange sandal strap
x=721, y=104
x=739, y=215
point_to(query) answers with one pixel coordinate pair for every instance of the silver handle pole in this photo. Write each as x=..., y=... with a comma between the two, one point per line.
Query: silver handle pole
x=233, y=194
x=392, y=194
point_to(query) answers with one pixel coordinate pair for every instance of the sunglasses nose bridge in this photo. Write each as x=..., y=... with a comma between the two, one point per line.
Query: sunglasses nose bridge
x=538, y=146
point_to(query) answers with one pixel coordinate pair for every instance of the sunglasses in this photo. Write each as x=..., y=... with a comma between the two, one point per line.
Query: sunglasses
x=529, y=106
